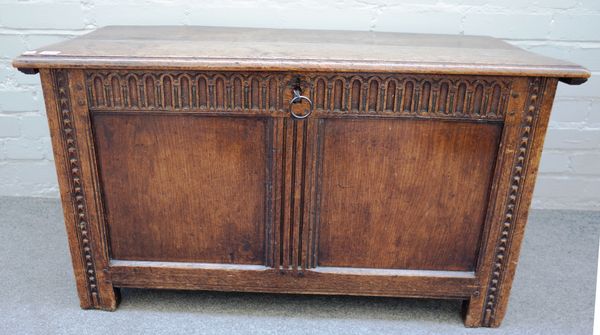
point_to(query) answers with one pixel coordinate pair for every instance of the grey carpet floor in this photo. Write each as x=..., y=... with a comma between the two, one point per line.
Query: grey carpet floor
x=553, y=292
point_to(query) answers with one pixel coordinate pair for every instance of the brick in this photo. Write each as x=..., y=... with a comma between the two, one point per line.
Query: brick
x=30, y=190
x=389, y=4
x=12, y=77
x=546, y=49
x=590, y=89
x=588, y=57
x=42, y=15
x=46, y=144
x=9, y=126
x=570, y=26
x=17, y=101
x=566, y=193
x=586, y=163
x=24, y=148
x=552, y=4
x=24, y=79
x=590, y=4
x=581, y=54
x=508, y=25
x=38, y=41
x=570, y=110
x=34, y=126
x=38, y=97
x=519, y=5
x=5, y=72
x=437, y=22
x=11, y=45
x=298, y=17
x=572, y=139
x=141, y=14
x=594, y=114
x=28, y=178
x=554, y=163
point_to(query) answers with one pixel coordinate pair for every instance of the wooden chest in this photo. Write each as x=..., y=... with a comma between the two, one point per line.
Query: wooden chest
x=296, y=161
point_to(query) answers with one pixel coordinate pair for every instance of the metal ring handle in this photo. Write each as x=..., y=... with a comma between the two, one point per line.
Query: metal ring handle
x=297, y=99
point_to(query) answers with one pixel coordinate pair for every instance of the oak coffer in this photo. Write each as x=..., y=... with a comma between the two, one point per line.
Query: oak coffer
x=296, y=161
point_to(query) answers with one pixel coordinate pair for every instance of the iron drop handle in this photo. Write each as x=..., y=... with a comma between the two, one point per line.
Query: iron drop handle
x=297, y=98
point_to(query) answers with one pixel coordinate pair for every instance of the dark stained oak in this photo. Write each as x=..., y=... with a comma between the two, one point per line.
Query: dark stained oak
x=191, y=165
x=404, y=194
x=406, y=171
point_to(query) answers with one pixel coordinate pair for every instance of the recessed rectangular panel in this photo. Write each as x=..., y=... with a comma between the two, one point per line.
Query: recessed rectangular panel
x=183, y=187
x=404, y=194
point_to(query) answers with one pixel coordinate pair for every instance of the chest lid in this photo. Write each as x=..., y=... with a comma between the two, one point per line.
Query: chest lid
x=219, y=48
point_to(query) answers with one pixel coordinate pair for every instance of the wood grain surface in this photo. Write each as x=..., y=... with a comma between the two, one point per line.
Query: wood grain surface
x=181, y=165
x=184, y=188
x=222, y=48
x=404, y=194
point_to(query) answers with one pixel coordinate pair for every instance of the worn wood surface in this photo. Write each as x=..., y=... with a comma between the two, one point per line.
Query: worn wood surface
x=184, y=188
x=310, y=50
x=183, y=168
x=391, y=173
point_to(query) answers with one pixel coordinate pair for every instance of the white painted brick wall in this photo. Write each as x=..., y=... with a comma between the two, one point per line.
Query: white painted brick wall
x=567, y=29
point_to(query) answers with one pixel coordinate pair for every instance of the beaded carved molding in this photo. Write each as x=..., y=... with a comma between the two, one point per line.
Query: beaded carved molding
x=388, y=94
x=69, y=137
x=534, y=100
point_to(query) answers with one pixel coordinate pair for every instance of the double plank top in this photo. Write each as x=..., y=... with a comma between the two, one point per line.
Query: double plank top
x=219, y=48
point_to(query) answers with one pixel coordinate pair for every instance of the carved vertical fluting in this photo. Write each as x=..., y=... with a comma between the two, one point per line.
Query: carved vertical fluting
x=290, y=232
x=69, y=137
x=513, y=197
x=291, y=243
